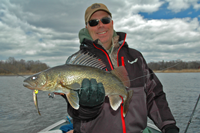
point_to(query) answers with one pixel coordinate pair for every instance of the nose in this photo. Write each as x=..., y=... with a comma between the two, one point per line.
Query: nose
x=100, y=24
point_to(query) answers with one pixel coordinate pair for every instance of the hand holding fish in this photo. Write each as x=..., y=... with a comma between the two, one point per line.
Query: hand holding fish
x=91, y=93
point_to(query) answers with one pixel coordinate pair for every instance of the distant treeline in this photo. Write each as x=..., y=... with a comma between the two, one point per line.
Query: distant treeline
x=174, y=65
x=21, y=66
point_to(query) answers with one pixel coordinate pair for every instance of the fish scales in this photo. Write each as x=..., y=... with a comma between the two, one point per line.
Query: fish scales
x=75, y=74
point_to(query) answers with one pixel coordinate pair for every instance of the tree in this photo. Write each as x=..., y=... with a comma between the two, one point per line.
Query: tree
x=13, y=66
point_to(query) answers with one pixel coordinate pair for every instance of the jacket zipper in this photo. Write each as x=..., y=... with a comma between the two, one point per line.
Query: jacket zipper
x=122, y=58
x=123, y=64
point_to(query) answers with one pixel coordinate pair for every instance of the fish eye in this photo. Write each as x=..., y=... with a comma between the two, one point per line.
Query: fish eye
x=33, y=78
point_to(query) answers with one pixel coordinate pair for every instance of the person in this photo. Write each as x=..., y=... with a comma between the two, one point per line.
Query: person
x=149, y=100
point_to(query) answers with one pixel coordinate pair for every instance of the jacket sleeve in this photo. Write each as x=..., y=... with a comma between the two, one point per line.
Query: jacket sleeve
x=158, y=109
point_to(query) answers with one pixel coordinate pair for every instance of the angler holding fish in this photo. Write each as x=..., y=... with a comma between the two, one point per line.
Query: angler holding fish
x=98, y=84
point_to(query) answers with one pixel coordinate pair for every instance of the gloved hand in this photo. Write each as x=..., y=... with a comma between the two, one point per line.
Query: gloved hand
x=91, y=93
x=172, y=129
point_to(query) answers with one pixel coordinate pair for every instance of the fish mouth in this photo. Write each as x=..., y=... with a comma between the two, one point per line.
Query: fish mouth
x=32, y=87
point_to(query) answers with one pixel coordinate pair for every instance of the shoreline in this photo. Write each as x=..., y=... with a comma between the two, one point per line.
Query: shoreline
x=178, y=71
x=155, y=71
x=19, y=74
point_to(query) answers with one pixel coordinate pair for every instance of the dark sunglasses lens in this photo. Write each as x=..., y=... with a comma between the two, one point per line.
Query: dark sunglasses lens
x=93, y=22
x=105, y=20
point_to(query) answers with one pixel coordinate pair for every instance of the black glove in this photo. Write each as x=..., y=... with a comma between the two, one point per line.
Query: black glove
x=172, y=129
x=91, y=93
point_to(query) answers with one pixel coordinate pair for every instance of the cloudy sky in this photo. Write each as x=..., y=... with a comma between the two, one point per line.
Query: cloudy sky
x=47, y=30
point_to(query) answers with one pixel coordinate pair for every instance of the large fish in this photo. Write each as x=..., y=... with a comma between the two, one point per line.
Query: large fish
x=67, y=79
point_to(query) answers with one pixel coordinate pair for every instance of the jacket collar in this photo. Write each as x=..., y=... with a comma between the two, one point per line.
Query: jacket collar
x=84, y=34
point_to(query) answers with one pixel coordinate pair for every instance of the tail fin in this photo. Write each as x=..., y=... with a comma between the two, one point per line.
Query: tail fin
x=127, y=101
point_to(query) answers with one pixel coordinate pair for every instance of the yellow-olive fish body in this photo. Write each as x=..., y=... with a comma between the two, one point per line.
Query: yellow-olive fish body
x=68, y=78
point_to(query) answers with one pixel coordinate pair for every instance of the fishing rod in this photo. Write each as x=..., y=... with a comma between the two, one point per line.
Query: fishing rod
x=192, y=114
x=153, y=72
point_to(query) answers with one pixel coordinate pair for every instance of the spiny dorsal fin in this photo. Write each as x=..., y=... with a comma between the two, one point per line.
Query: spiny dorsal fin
x=85, y=59
x=122, y=74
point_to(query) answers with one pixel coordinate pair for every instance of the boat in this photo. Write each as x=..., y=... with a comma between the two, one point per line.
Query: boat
x=55, y=128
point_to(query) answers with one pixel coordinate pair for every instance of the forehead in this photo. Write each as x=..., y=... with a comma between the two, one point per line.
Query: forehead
x=99, y=15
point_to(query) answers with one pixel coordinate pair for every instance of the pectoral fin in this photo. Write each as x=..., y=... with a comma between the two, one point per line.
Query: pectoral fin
x=73, y=99
x=115, y=101
x=74, y=86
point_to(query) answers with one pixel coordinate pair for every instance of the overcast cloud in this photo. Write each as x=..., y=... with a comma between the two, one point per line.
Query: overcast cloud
x=47, y=30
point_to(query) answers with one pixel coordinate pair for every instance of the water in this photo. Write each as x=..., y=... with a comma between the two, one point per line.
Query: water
x=18, y=113
x=17, y=110
x=182, y=91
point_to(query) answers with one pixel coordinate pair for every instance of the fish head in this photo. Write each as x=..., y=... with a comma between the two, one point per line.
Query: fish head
x=36, y=82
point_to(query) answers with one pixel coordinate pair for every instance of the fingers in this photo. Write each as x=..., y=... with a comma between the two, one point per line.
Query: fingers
x=101, y=92
x=84, y=94
x=92, y=93
x=86, y=83
x=97, y=92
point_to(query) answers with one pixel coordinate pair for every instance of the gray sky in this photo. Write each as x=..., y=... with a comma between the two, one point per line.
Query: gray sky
x=47, y=30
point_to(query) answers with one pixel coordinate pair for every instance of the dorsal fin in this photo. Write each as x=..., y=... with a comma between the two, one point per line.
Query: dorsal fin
x=122, y=74
x=85, y=59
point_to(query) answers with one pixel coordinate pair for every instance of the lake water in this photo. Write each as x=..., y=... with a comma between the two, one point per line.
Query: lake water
x=18, y=113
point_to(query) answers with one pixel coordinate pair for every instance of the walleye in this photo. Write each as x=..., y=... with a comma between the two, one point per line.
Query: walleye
x=67, y=79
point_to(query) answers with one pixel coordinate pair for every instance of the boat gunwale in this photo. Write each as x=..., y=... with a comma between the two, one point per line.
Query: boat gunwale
x=57, y=124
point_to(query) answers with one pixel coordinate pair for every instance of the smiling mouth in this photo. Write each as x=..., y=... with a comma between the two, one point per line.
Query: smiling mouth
x=102, y=32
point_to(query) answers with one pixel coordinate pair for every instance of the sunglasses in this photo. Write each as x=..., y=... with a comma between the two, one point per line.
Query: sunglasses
x=95, y=22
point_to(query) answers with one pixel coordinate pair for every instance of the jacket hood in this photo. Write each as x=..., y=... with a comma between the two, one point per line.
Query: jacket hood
x=84, y=34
